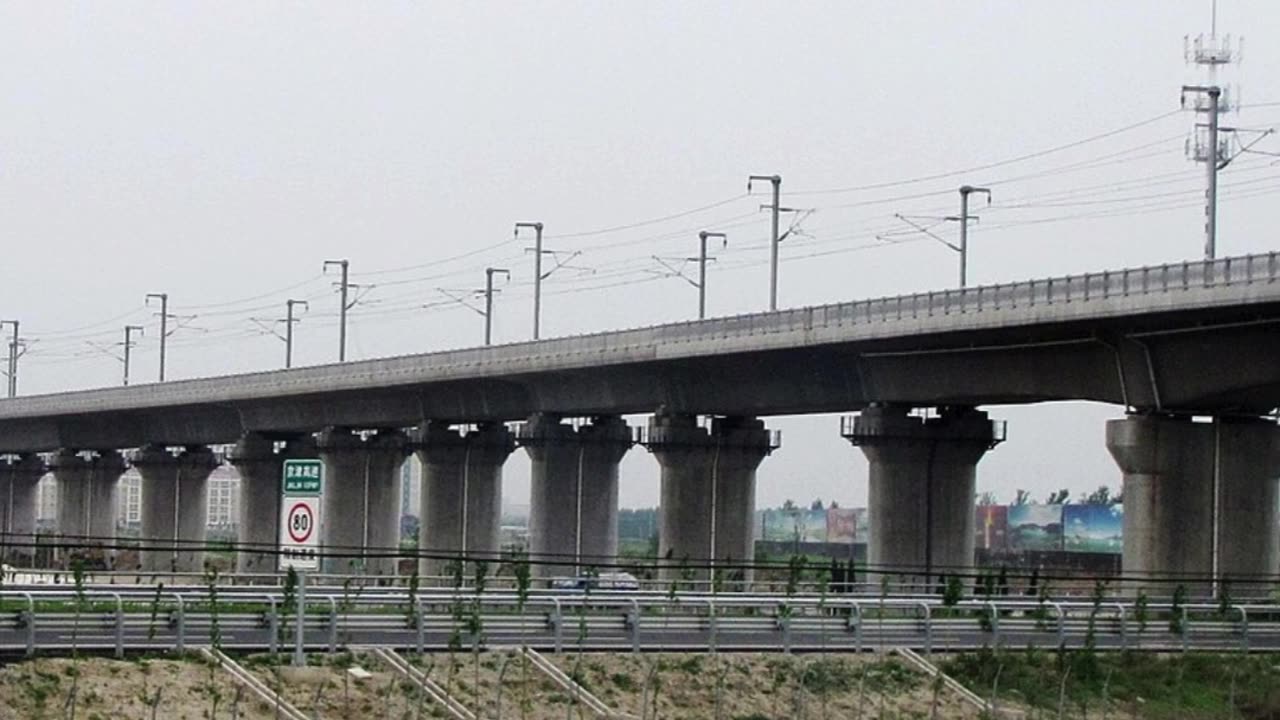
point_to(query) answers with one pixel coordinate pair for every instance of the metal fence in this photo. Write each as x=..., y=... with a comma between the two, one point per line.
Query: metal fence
x=59, y=621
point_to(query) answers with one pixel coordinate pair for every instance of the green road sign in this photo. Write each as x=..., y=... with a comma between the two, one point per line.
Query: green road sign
x=303, y=478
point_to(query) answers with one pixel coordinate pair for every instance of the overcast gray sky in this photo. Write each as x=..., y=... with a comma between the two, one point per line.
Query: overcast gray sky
x=221, y=151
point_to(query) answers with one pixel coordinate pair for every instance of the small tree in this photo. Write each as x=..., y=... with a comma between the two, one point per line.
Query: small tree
x=1176, y=625
x=953, y=592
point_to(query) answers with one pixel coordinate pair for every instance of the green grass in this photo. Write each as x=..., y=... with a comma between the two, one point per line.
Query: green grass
x=1147, y=685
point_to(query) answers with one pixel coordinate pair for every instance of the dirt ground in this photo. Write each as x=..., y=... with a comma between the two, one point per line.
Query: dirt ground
x=326, y=689
x=121, y=690
x=754, y=686
x=747, y=686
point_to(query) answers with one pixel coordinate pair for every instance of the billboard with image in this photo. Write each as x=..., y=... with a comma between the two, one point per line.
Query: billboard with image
x=1035, y=527
x=842, y=525
x=991, y=527
x=1093, y=528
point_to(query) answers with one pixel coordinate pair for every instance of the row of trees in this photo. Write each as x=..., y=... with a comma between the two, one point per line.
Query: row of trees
x=1101, y=496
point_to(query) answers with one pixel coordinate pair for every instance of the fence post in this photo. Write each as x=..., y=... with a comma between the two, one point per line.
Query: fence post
x=711, y=622
x=995, y=623
x=784, y=624
x=928, y=628
x=421, y=629
x=1244, y=628
x=1124, y=630
x=273, y=626
x=181, y=617
x=1062, y=628
x=119, y=629
x=855, y=620
x=557, y=623
x=633, y=624
x=333, y=625
x=31, y=624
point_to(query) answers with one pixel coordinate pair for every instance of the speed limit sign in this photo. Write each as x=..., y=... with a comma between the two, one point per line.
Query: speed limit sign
x=300, y=514
x=300, y=522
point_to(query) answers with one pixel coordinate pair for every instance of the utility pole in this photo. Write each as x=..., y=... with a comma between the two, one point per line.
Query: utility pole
x=13, y=358
x=164, y=324
x=702, y=269
x=1212, y=156
x=963, y=218
x=128, y=345
x=537, y=271
x=776, y=181
x=488, y=300
x=288, y=329
x=344, y=287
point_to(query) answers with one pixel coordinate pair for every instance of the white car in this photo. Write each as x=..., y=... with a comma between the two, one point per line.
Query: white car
x=608, y=582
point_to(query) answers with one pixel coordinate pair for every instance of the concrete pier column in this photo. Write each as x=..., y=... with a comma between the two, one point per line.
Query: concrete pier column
x=461, y=505
x=922, y=479
x=1248, y=452
x=573, y=505
x=87, y=484
x=19, y=477
x=261, y=466
x=360, y=529
x=175, y=506
x=708, y=495
x=1171, y=468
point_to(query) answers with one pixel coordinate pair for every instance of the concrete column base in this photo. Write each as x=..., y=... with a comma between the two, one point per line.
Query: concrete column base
x=461, y=505
x=87, y=506
x=1171, y=466
x=175, y=506
x=360, y=527
x=19, y=478
x=573, y=508
x=261, y=468
x=922, y=479
x=708, y=495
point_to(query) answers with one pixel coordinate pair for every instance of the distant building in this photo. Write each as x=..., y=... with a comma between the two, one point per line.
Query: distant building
x=224, y=498
x=129, y=500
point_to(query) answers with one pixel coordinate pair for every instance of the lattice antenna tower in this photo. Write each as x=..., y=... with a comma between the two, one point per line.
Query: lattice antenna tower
x=1208, y=53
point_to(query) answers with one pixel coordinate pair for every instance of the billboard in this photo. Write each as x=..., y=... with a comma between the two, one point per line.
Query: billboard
x=776, y=526
x=811, y=525
x=991, y=527
x=1035, y=527
x=842, y=525
x=1093, y=528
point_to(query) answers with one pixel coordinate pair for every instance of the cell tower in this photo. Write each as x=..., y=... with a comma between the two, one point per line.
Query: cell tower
x=1206, y=145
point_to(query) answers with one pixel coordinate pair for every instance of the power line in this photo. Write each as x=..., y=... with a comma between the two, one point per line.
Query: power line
x=988, y=166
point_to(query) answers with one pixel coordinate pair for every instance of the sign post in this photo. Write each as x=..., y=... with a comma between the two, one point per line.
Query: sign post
x=300, y=532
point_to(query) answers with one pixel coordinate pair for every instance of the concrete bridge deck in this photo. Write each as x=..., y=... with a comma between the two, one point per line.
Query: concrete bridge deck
x=1188, y=337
